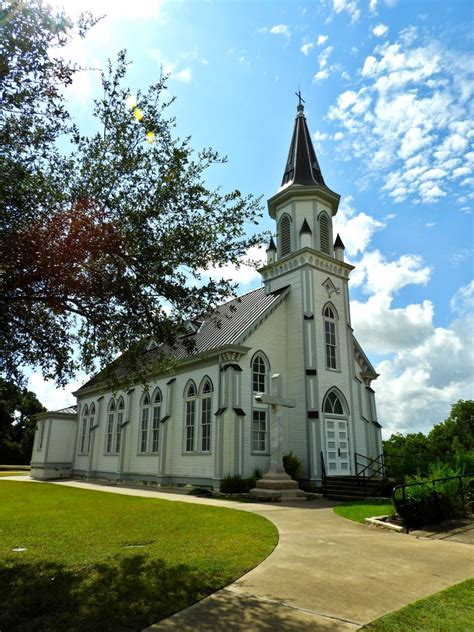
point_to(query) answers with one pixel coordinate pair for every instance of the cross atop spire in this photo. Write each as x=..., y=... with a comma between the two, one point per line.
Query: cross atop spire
x=300, y=98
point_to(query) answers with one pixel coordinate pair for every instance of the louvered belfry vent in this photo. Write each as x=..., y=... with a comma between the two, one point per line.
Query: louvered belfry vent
x=285, y=236
x=324, y=232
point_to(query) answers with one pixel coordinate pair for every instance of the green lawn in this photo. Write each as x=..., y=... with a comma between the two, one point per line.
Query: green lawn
x=359, y=510
x=14, y=473
x=101, y=561
x=451, y=610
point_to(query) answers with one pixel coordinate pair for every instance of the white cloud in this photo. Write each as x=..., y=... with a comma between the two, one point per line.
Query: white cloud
x=349, y=6
x=322, y=39
x=428, y=369
x=321, y=74
x=172, y=68
x=306, y=48
x=280, y=29
x=356, y=230
x=245, y=274
x=148, y=9
x=463, y=301
x=52, y=397
x=409, y=118
x=377, y=275
x=380, y=30
x=184, y=75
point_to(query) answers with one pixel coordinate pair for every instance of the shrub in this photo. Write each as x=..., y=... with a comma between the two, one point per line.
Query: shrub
x=292, y=465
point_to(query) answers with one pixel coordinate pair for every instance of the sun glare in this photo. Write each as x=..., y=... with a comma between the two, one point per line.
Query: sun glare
x=110, y=8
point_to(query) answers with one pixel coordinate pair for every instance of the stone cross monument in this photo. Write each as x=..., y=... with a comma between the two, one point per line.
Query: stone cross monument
x=276, y=483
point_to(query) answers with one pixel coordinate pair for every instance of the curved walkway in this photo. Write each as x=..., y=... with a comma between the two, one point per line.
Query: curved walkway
x=326, y=573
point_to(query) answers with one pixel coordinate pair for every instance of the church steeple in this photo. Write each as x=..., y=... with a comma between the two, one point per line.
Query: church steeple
x=302, y=166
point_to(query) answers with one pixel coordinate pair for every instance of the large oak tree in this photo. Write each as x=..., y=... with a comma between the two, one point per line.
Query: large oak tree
x=101, y=243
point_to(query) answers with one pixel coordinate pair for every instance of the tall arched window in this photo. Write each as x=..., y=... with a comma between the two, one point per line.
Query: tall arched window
x=118, y=432
x=91, y=425
x=144, y=421
x=259, y=374
x=109, y=431
x=332, y=404
x=325, y=235
x=285, y=235
x=330, y=335
x=155, y=428
x=190, y=417
x=260, y=371
x=206, y=405
x=85, y=420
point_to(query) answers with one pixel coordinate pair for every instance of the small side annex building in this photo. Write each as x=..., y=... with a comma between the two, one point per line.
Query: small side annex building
x=203, y=422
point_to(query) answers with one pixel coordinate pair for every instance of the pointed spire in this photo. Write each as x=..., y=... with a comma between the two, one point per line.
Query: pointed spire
x=338, y=243
x=302, y=166
x=305, y=228
x=271, y=245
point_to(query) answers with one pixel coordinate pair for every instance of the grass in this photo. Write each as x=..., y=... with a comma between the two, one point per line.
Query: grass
x=359, y=510
x=14, y=473
x=100, y=561
x=450, y=610
x=23, y=468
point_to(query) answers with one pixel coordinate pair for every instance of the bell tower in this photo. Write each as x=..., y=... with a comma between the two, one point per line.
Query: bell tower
x=309, y=259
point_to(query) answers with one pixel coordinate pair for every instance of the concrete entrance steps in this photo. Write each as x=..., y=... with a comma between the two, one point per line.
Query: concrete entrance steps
x=352, y=488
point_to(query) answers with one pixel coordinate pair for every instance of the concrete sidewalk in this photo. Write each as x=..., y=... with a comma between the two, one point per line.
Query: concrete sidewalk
x=326, y=573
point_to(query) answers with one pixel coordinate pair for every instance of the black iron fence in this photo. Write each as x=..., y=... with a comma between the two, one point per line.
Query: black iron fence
x=432, y=501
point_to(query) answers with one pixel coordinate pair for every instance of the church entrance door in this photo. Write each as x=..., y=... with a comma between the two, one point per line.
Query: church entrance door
x=337, y=447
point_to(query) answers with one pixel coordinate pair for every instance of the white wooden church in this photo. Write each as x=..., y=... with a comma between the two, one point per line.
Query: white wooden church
x=204, y=422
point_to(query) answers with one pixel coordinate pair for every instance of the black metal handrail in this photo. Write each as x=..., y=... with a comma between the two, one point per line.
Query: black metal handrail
x=370, y=467
x=323, y=474
x=402, y=505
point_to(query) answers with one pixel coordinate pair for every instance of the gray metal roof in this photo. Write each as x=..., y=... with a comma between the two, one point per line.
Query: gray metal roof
x=228, y=324
x=69, y=410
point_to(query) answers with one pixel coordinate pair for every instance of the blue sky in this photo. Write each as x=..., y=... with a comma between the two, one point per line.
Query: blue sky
x=388, y=97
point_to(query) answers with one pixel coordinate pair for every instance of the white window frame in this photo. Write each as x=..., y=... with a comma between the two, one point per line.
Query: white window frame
x=330, y=338
x=143, y=435
x=118, y=425
x=110, y=427
x=190, y=407
x=157, y=402
x=84, y=425
x=205, y=414
x=259, y=417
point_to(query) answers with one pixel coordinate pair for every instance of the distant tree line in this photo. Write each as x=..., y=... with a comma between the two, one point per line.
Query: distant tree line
x=17, y=427
x=451, y=440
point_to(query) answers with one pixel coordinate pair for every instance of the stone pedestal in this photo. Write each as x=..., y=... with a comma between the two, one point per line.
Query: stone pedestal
x=276, y=485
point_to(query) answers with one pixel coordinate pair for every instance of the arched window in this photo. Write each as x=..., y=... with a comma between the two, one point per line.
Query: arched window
x=324, y=231
x=260, y=371
x=118, y=432
x=91, y=425
x=285, y=235
x=190, y=417
x=155, y=428
x=332, y=404
x=109, y=432
x=206, y=405
x=85, y=415
x=330, y=336
x=144, y=421
x=259, y=374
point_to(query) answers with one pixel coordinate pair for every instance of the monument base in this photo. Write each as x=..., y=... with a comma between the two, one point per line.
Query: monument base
x=277, y=485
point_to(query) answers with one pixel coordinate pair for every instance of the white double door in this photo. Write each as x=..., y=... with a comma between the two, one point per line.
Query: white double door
x=337, y=448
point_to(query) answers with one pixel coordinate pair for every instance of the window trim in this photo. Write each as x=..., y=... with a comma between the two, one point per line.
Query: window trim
x=190, y=401
x=110, y=428
x=144, y=429
x=205, y=397
x=332, y=322
x=260, y=408
x=84, y=427
x=287, y=220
